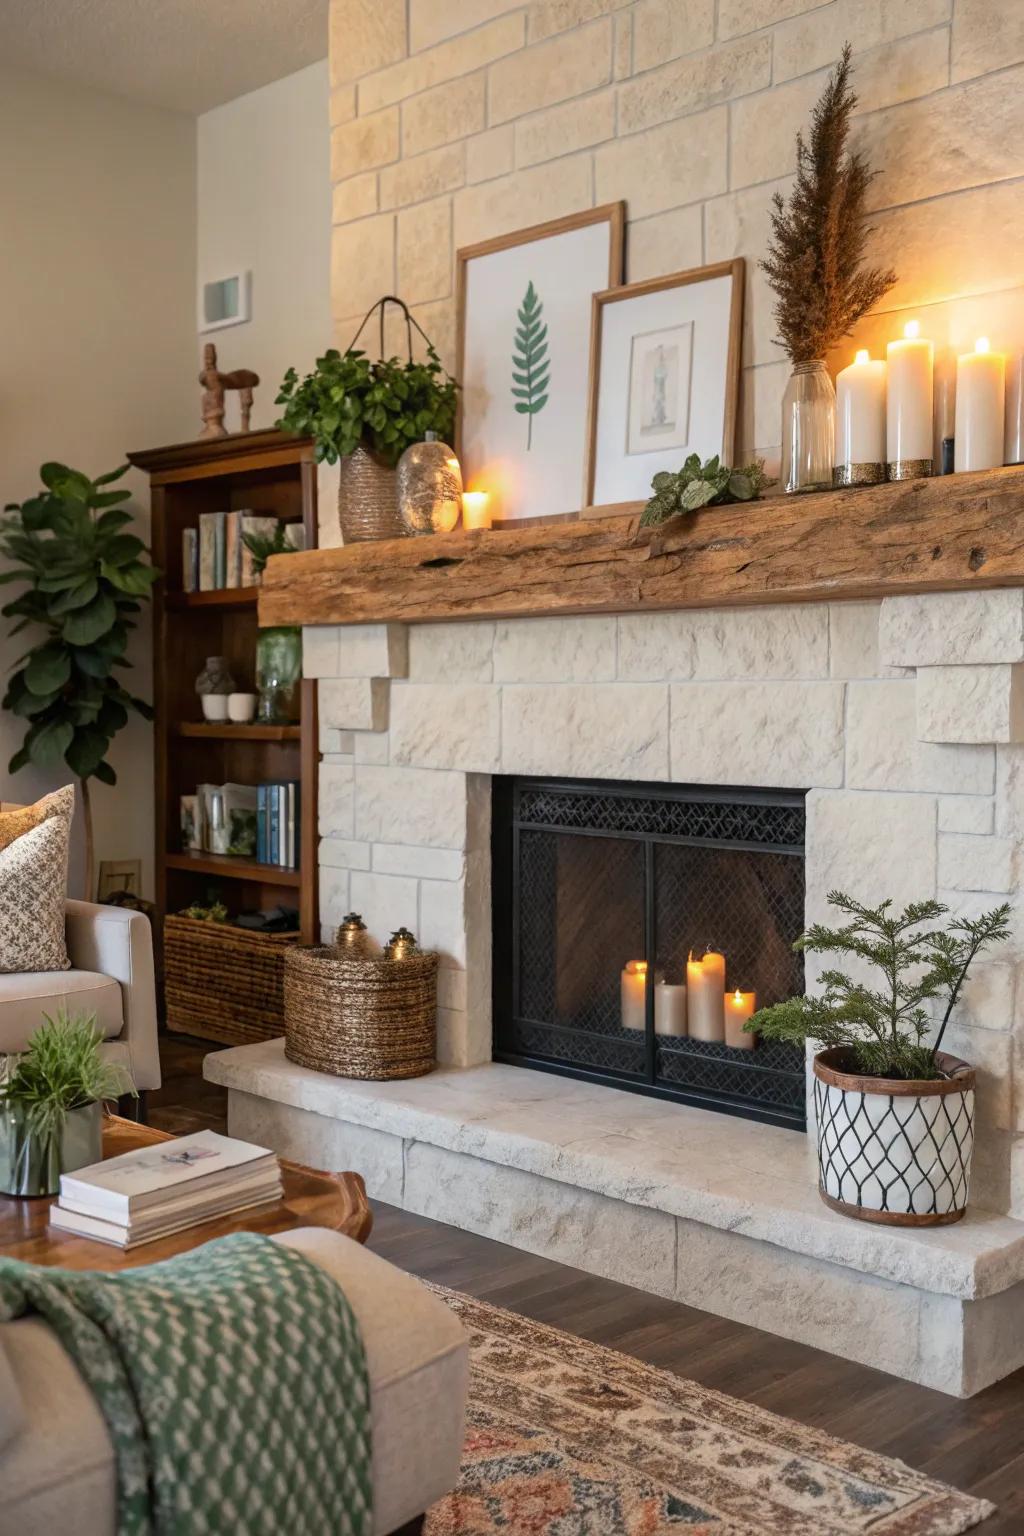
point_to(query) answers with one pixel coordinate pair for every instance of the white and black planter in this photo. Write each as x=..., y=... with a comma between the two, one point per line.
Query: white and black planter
x=892, y=1151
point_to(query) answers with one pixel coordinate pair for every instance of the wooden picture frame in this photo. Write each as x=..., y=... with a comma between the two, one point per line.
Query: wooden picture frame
x=733, y=270
x=612, y=214
x=118, y=875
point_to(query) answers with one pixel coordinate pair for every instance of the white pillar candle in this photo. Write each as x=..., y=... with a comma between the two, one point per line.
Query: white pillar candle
x=739, y=1007
x=669, y=1009
x=705, y=993
x=860, y=423
x=633, y=995
x=476, y=509
x=1013, y=441
x=980, y=387
x=908, y=410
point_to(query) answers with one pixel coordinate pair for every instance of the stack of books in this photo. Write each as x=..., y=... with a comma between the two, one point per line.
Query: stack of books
x=277, y=823
x=215, y=557
x=154, y=1191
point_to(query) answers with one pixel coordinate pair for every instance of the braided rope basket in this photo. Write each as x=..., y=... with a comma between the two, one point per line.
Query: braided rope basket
x=360, y=1017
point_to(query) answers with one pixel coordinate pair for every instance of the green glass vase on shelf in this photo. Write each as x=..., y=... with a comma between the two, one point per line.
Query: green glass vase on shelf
x=278, y=672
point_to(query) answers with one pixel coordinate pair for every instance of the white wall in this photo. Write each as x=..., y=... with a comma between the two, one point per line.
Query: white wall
x=97, y=342
x=264, y=205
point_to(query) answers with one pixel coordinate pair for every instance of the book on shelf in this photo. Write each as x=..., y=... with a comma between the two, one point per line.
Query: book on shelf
x=190, y=560
x=233, y=547
x=277, y=823
x=156, y=1190
x=260, y=526
x=211, y=551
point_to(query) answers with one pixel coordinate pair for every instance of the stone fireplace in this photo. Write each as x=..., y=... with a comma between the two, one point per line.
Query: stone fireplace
x=891, y=736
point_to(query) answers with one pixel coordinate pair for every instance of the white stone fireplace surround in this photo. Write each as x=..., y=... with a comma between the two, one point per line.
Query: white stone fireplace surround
x=904, y=721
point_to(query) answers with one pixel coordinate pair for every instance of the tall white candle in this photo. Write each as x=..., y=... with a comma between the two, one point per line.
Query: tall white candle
x=739, y=1007
x=1013, y=441
x=669, y=1009
x=908, y=412
x=860, y=423
x=705, y=994
x=633, y=995
x=980, y=387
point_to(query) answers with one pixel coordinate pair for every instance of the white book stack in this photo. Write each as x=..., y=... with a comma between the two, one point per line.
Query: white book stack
x=154, y=1191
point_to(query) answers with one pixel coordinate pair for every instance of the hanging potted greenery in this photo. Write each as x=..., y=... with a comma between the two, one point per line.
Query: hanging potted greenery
x=51, y=1105
x=895, y=1114
x=815, y=266
x=366, y=414
x=86, y=579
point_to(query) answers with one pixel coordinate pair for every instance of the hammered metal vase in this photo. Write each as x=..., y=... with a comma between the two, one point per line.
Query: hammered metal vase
x=32, y=1165
x=367, y=499
x=429, y=487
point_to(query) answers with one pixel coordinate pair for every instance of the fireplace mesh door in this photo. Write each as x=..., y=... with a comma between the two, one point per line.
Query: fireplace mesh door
x=601, y=891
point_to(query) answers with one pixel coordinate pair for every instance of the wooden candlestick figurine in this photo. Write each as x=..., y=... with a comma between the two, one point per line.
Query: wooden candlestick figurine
x=215, y=384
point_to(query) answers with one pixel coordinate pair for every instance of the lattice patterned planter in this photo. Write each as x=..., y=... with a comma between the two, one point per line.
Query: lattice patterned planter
x=894, y=1152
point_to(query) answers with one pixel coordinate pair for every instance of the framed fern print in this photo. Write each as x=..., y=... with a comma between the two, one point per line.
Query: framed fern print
x=664, y=379
x=524, y=316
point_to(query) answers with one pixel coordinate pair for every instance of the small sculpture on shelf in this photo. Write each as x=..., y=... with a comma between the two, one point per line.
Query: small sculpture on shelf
x=215, y=384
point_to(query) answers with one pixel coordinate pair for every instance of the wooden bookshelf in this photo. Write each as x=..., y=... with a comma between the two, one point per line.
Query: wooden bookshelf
x=270, y=473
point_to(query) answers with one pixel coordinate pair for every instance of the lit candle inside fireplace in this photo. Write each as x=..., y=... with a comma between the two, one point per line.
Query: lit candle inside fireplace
x=739, y=1006
x=476, y=510
x=633, y=995
x=705, y=984
x=669, y=1008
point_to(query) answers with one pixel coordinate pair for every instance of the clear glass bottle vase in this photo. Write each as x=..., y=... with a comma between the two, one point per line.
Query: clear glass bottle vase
x=808, y=428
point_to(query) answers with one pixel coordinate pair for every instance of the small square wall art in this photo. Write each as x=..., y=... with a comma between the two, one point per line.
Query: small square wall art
x=524, y=316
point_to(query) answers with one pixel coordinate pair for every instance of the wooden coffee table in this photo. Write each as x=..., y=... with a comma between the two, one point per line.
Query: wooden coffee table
x=310, y=1199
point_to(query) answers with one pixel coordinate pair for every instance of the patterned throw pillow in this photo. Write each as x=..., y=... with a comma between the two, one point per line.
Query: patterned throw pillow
x=33, y=885
x=16, y=822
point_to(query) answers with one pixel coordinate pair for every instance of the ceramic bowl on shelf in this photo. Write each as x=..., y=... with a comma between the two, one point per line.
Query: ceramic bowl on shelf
x=215, y=706
x=241, y=708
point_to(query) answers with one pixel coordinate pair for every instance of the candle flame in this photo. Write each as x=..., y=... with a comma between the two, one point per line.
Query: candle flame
x=863, y=356
x=981, y=345
x=738, y=996
x=912, y=329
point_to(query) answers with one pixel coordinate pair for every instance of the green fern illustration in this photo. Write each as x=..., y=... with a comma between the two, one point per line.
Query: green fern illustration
x=531, y=366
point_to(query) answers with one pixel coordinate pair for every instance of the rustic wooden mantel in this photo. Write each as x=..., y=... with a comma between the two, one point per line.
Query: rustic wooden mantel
x=937, y=535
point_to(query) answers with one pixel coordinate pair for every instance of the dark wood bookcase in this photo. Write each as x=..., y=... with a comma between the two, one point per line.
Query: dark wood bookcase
x=270, y=472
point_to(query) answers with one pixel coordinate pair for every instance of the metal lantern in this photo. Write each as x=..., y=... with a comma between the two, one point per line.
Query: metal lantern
x=352, y=938
x=401, y=945
x=429, y=487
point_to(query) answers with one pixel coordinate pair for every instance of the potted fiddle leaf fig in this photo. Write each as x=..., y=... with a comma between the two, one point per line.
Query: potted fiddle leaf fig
x=51, y=1104
x=895, y=1113
x=366, y=414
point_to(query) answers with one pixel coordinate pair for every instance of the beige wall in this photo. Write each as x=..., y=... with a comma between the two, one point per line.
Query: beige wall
x=98, y=340
x=264, y=205
x=456, y=122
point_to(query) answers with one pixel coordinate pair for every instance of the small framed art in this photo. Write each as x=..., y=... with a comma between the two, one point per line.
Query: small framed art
x=524, y=317
x=664, y=379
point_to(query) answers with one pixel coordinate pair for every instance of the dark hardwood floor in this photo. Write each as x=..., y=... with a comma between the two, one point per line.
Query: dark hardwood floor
x=977, y=1445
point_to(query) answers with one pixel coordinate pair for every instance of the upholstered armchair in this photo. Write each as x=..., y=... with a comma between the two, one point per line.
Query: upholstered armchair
x=111, y=975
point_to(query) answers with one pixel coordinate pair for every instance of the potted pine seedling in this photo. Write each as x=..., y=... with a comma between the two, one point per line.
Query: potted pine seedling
x=51, y=1104
x=895, y=1113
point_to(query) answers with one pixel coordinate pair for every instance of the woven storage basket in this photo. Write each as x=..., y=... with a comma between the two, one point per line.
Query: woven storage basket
x=224, y=983
x=371, y=1018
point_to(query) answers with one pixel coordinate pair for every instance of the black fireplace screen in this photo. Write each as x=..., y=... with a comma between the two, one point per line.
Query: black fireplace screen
x=607, y=897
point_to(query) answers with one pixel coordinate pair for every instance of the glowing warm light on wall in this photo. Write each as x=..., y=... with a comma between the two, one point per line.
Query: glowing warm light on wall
x=912, y=329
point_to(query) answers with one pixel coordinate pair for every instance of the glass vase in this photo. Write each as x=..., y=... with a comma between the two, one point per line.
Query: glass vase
x=278, y=670
x=808, y=428
x=429, y=487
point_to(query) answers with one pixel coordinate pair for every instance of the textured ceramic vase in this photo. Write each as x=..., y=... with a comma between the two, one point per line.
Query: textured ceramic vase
x=808, y=429
x=367, y=499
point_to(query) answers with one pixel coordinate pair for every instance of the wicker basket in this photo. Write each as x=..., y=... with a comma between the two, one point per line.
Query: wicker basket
x=368, y=499
x=224, y=983
x=370, y=1018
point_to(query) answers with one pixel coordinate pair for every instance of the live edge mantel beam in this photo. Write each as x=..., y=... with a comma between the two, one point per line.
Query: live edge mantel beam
x=945, y=534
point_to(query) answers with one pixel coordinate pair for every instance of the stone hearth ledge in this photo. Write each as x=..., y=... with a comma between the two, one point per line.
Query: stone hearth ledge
x=715, y=1170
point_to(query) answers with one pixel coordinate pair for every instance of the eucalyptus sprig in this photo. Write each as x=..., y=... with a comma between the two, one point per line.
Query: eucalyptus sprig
x=61, y=1070
x=885, y=1027
x=711, y=484
x=386, y=406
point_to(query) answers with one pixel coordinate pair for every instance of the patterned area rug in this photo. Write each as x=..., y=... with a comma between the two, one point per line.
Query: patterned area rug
x=566, y=1438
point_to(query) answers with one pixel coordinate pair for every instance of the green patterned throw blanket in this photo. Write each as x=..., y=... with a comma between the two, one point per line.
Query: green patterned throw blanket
x=233, y=1382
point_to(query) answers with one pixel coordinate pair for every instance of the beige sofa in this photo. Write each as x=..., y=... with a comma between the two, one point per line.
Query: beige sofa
x=111, y=952
x=57, y=1460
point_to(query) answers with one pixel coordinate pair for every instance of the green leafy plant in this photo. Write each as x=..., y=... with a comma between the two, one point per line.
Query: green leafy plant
x=885, y=1028
x=531, y=366
x=347, y=400
x=214, y=912
x=815, y=257
x=85, y=580
x=261, y=547
x=696, y=485
x=61, y=1070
